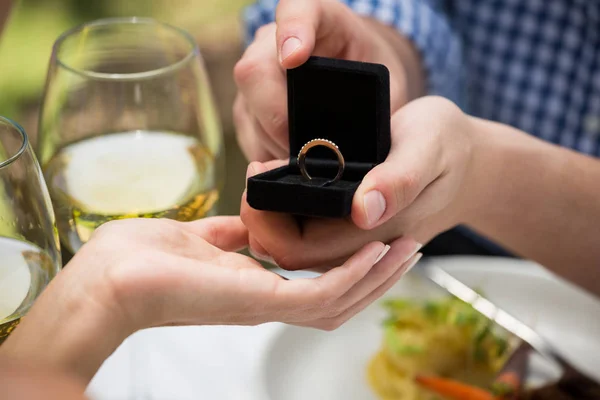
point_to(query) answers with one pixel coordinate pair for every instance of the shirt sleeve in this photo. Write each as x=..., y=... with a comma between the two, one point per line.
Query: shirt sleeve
x=424, y=22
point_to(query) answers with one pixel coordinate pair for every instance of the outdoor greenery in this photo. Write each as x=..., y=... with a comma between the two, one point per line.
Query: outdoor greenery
x=26, y=44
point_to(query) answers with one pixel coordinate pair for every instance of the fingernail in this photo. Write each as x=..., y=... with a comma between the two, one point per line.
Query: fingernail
x=250, y=171
x=289, y=47
x=418, y=247
x=374, y=204
x=261, y=257
x=382, y=254
x=413, y=262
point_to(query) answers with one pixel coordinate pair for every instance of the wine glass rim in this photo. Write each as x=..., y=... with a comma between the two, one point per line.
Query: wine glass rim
x=194, y=50
x=24, y=143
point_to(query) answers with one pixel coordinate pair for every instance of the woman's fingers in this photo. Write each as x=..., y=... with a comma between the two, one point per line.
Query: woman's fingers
x=332, y=298
x=400, y=251
x=318, y=295
x=337, y=321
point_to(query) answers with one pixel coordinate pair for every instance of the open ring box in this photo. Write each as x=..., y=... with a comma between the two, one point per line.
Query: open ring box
x=346, y=102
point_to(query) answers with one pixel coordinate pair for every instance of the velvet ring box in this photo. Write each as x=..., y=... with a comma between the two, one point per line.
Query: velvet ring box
x=346, y=102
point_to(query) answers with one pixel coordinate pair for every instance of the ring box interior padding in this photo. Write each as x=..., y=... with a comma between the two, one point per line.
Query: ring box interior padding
x=346, y=102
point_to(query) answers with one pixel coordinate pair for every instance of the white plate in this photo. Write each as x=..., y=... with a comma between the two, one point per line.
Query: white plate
x=306, y=364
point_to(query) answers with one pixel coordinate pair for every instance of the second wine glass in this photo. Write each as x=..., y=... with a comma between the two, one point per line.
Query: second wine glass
x=29, y=248
x=128, y=127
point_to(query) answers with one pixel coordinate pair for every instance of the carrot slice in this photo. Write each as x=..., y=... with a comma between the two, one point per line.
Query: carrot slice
x=507, y=384
x=452, y=389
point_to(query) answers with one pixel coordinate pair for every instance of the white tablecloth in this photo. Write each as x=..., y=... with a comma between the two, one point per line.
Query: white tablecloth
x=180, y=363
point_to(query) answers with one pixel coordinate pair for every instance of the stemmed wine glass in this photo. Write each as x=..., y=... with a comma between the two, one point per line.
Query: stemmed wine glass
x=128, y=127
x=29, y=246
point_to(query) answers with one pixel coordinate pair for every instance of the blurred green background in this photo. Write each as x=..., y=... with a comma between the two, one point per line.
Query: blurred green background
x=33, y=25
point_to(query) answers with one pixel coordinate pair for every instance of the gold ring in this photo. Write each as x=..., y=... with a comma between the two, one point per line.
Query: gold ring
x=326, y=143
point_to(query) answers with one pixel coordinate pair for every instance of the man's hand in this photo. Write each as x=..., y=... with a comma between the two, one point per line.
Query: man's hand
x=420, y=190
x=304, y=28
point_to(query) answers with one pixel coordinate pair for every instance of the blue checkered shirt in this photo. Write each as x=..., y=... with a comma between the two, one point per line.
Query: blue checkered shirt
x=532, y=64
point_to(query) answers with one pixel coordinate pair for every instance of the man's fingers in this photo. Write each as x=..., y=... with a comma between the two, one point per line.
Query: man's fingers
x=297, y=24
x=258, y=167
x=387, y=189
x=262, y=82
x=313, y=243
x=226, y=233
x=281, y=235
x=258, y=251
x=303, y=26
x=269, y=227
x=310, y=245
x=250, y=141
x=268, y=141
x=336, y=239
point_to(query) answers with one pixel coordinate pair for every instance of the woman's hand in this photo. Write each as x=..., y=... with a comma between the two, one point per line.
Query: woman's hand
x=304, y=28
x=142, y=273
x=421, y=189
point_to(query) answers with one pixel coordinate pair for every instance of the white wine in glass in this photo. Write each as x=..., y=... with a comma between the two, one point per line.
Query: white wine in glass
x=128, y=127
x=29, y=247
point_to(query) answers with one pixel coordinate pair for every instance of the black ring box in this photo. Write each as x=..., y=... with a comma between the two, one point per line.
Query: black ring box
x=346, y=102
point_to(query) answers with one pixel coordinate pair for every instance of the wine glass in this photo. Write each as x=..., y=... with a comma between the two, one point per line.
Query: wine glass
x=128, y=127
x=29, y=246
